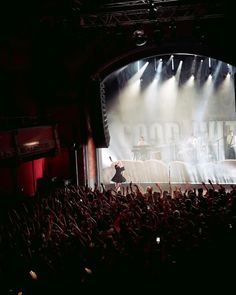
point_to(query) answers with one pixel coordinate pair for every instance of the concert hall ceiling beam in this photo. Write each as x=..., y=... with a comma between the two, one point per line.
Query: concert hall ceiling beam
x=112, y=5
x=127, y=4
x=126, y=15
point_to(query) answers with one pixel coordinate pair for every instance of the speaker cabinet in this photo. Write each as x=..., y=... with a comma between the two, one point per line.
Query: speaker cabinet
x=28, y=143
x=98, y=115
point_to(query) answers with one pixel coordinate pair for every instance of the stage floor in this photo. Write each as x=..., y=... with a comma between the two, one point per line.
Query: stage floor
x=176, y=172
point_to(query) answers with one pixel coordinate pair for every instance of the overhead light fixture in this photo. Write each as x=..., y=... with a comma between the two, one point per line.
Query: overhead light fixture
x=152, y=10
x=140, y=37
x=32, y=143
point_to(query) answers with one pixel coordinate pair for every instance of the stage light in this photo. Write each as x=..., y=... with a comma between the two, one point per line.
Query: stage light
x=140, y=37
x=158, y=65
x=159, y=68
x=138, y=65
x=152, y=10
x=137, y=76
x=33, y=275
x=178, y=71
x=33, y=143
x=193, y=66
x=229, y=69
x=172, y=63
x=173, y=29
x=209, y=62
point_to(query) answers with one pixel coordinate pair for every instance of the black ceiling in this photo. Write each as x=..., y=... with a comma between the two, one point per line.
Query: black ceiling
x=50, y=48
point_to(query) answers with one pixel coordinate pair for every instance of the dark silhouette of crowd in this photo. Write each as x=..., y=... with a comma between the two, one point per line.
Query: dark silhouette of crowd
x=71, y=240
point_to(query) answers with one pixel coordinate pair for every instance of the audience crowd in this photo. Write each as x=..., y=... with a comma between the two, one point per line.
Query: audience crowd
x=83, y=239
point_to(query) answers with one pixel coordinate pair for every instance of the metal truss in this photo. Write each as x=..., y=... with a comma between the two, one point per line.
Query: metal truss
x=138, y=12
x=136, y=3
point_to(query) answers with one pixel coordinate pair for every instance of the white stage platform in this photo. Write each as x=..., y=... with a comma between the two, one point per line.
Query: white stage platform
x=156, y=171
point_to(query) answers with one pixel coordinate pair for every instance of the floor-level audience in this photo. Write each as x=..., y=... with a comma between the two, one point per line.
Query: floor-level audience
x=74, y=240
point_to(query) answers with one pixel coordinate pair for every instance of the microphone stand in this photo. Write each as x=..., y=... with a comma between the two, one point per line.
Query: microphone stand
x=218, y=147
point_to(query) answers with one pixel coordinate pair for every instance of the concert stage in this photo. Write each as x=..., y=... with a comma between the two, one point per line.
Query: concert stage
x=177, y=172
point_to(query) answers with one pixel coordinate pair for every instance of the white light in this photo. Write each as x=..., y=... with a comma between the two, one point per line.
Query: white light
x=177, y=74
x=88, y=270
x=31, y=143
x=229, y=68
x=155, y=64
x=158, y=240
x=158, y=64
x=190, y=81
x=139, y=73
x=33, y=275
x=209, y=62
x=172, y=63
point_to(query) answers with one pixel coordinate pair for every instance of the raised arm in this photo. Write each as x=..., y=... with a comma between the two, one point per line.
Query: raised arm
x=211, y=184
x=103, y=187
x=131, y=188
x=204, y=185
x=159, y=187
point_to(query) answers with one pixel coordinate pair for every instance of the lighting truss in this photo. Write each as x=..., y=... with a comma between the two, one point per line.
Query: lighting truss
x=136, y=12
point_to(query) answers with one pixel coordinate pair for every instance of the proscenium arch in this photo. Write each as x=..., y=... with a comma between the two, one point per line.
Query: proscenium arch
x=120, y=60
x=222, y=54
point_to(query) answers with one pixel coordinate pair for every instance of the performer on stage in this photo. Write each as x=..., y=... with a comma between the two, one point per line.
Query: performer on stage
x=192, y=144
x=141, y=141
x=143, y=152
x=118, y=178
x=230, y=145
